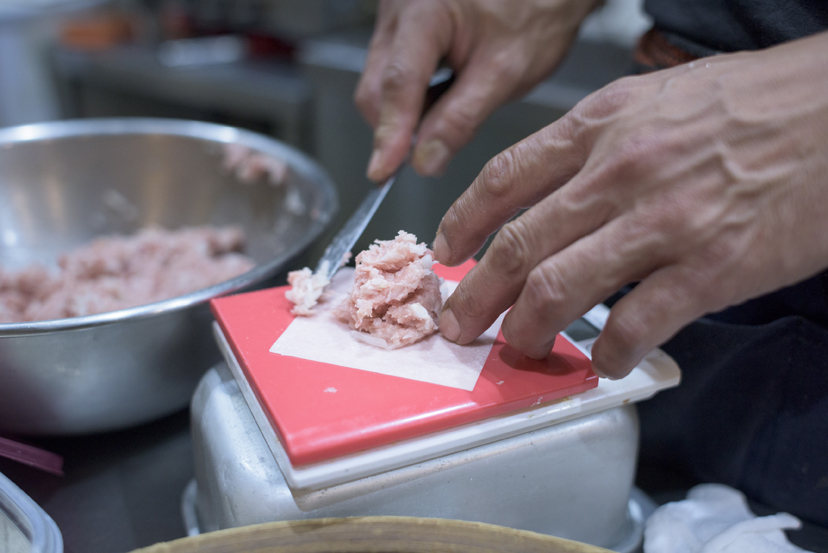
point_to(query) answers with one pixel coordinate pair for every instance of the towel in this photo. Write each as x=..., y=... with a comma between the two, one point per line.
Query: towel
x=716, y=519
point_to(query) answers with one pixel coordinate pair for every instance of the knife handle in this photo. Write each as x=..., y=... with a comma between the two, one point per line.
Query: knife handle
x=440, y=82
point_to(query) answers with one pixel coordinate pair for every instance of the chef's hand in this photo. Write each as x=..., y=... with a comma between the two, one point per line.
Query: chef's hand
x=708, y=183
x=498, y=49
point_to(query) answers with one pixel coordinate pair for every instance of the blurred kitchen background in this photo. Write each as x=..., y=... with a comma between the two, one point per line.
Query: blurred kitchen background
x=286, y=68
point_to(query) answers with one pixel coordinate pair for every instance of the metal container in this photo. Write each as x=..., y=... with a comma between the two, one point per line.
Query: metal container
x=571, y=480
x=62, y=184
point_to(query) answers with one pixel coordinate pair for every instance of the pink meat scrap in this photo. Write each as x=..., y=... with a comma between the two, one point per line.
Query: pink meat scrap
x=118, y=272
x=396, y=296
x=250, y=166
x=306, y=288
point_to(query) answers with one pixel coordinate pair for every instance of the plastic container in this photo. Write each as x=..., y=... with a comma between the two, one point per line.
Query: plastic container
x=24, y=526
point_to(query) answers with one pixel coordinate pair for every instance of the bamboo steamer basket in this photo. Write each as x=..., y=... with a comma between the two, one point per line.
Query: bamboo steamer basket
x=372, y=535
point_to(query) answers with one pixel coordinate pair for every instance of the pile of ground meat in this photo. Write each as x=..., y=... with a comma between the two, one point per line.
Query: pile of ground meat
x=124, y=271
x=396, y=296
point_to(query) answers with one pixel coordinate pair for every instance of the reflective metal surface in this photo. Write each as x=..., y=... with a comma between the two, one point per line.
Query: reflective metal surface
x=571, y=480
x=63, y=183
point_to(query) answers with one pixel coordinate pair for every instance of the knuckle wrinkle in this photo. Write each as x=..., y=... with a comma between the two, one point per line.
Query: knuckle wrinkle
x=395, y=76
x=546, y=292
x=510, y=250
x=496, y=178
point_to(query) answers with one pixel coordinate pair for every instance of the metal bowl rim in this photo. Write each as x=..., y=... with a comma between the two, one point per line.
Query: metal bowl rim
x=200, y=130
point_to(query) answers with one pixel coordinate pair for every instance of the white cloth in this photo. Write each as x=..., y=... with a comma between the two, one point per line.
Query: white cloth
x=716, y=519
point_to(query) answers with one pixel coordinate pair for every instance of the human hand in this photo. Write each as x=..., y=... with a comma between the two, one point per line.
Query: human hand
x=498, y=49
x=708, y=183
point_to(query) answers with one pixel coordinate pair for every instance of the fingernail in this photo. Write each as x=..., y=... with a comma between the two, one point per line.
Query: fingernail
x=374, y=165
x=441, y=250
x=430, y=158
x=603, y=374
x=598, y=372
x=449, y=327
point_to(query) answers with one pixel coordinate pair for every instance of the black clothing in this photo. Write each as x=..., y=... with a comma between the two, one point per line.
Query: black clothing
x=730, y=25
x=752, y=409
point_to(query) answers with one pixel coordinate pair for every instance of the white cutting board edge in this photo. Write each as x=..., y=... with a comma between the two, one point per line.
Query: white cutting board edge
x=656, y=372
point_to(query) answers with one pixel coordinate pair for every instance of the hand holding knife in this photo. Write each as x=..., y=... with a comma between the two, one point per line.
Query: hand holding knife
x=345, y=239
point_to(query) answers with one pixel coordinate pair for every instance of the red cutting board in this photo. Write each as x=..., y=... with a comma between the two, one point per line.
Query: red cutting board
x=370, y=409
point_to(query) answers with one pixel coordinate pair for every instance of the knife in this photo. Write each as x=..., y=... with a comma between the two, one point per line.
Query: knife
x=343, y=242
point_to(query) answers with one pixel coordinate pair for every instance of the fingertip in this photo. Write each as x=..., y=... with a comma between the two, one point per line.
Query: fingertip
x=546, y=349
x=516, y=339
x=449, y=327
x=375, y=165
x=601, y=370
x=385, y=159
x=539, y=353
x=610, y=365
x=598, y=372
x=392, y=143
x=442, y=252
x=431, y=157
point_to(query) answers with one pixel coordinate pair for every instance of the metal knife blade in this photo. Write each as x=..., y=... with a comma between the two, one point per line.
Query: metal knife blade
x=332, y=259
x=345, y=239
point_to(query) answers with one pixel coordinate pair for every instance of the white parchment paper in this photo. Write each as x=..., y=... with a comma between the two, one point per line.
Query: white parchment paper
x=436, y=360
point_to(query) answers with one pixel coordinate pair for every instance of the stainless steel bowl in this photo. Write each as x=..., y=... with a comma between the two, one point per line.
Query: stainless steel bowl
x=63, y=183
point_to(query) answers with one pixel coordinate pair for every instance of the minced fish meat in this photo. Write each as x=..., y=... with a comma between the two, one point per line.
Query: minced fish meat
x=396, y=297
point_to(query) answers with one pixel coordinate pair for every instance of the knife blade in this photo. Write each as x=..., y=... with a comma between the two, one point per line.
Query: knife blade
x=334, y=256
x=343, y=242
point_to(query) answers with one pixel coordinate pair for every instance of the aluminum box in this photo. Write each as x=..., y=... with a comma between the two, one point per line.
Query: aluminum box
x=572, y=480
